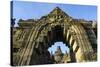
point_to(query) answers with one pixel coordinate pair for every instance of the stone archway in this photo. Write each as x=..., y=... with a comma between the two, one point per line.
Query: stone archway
x=78, y=47
x=33, y=39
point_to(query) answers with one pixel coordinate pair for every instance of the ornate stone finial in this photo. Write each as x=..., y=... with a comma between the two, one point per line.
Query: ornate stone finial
x=58, y=11
x=58, y=48
x=57, y=8
x=58, y=51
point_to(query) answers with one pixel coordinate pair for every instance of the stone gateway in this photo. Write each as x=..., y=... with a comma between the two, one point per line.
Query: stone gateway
x=32, y=38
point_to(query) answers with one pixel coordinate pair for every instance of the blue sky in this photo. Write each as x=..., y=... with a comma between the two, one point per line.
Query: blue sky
x=29, y=10
x=63, y=47
x=34, y=10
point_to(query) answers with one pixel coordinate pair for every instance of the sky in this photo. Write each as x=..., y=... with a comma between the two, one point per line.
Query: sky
x=35, y=10
x=63, y=47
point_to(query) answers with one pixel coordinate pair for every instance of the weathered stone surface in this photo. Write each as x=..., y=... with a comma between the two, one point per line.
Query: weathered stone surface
x=33, y=37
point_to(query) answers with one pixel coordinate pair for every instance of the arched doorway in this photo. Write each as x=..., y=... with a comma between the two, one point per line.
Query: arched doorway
x=56, y=34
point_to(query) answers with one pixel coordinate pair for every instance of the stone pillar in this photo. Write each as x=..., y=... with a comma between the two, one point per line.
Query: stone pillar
x=72, y=55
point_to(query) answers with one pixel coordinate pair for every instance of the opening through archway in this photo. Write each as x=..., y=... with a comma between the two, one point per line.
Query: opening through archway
x=59, y=52
x=53, y=48
x=62, y=45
